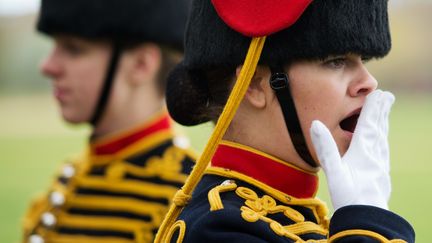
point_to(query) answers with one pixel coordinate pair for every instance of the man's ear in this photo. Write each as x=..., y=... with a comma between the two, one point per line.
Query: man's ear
x=145, y=62
x=256, y=93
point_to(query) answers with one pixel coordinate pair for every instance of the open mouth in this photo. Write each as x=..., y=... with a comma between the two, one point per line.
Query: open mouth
x=349, y=124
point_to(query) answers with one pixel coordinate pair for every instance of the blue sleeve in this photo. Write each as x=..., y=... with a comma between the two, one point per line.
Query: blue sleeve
x=361, y=223
x=228, y=226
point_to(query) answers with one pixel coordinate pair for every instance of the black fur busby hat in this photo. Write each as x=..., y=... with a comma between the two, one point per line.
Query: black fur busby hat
x=327, y=27
x=160, y=21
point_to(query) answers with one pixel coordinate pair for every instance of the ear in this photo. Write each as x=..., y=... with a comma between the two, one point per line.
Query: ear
x=145, y=62
x=256, y=94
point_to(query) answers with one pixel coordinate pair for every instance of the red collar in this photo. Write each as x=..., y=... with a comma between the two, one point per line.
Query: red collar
x=267, y=169
x=115, y=143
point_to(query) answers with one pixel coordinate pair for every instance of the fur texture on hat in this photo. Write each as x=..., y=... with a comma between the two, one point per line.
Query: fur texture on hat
x=327, y=27
x=160, y=21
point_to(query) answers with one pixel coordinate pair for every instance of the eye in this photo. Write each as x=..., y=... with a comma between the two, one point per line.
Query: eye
x=73, y=49
x=335, y=62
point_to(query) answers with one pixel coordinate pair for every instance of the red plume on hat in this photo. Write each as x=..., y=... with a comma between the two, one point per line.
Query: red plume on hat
x=256, y=18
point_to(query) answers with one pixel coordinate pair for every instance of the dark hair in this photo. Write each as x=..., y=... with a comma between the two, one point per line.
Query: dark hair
x=198, y=96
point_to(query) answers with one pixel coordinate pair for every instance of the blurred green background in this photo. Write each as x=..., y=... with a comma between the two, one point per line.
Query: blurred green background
x=34, y=140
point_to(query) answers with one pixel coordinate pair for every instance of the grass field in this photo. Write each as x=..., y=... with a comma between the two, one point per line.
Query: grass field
x=33, y=142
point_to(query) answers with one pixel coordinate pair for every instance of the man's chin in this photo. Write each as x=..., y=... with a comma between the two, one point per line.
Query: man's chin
x=74, y=120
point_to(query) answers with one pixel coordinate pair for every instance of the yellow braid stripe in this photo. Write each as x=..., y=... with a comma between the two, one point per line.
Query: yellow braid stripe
x=102, y=223
x=224, y=121
x=214, y=195
x=65, y=238
x=305, y=228
x=140, y=188
x=367, y=233
x=115, y=203
x=50, y=236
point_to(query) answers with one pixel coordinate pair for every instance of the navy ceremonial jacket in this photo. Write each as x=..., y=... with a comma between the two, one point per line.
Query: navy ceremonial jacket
x=117, y=191
x=249, y=196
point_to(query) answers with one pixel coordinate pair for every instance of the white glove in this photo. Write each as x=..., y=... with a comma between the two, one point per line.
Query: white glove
x=361, y=176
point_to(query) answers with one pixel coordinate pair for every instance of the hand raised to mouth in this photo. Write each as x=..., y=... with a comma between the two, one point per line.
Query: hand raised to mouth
x=361, y=176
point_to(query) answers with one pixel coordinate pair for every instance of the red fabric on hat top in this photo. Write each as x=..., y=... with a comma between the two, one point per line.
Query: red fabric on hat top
x=257, y=18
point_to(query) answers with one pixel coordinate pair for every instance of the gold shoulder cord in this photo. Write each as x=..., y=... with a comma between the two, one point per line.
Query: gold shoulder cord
x=234, y=100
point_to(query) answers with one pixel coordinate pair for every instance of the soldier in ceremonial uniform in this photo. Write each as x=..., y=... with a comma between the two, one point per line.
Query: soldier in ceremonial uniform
x=108, y=68
x=287, y=85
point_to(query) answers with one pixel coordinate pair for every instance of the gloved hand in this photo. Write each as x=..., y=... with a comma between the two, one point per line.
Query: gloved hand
x=361, y=176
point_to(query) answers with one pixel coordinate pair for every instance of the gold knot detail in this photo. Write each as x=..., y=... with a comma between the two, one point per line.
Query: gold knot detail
x=181, y=199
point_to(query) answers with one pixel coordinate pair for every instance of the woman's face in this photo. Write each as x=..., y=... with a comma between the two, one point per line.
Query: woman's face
x=332, y=91
x=77, y=68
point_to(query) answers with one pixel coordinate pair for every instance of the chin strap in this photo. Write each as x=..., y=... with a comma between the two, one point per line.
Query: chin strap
x=279, y=82
x=107, y=85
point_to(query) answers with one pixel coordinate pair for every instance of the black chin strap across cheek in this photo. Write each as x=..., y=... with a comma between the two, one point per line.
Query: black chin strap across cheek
x=107, y=85
x=279, y=82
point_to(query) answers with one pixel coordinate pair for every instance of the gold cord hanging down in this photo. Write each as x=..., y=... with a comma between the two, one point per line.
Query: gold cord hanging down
x=222, y=125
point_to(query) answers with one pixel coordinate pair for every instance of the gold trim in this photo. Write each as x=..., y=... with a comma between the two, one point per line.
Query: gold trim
x=180, y=225
x=140, y=188
x=368, y=233
x=102, y=223
x=144, y=235
x=306, y=228
x=259, y=207
x=168, y=166
x=214, y=195
x=154, y=210
x=53, y=237
x=317, y=206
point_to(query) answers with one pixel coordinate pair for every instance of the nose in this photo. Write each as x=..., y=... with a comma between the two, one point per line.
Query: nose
x=363, y=83
x=51, y=66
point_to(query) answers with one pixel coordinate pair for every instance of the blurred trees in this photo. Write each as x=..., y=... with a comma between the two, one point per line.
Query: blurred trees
x=21, y=50
x=407, y=68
